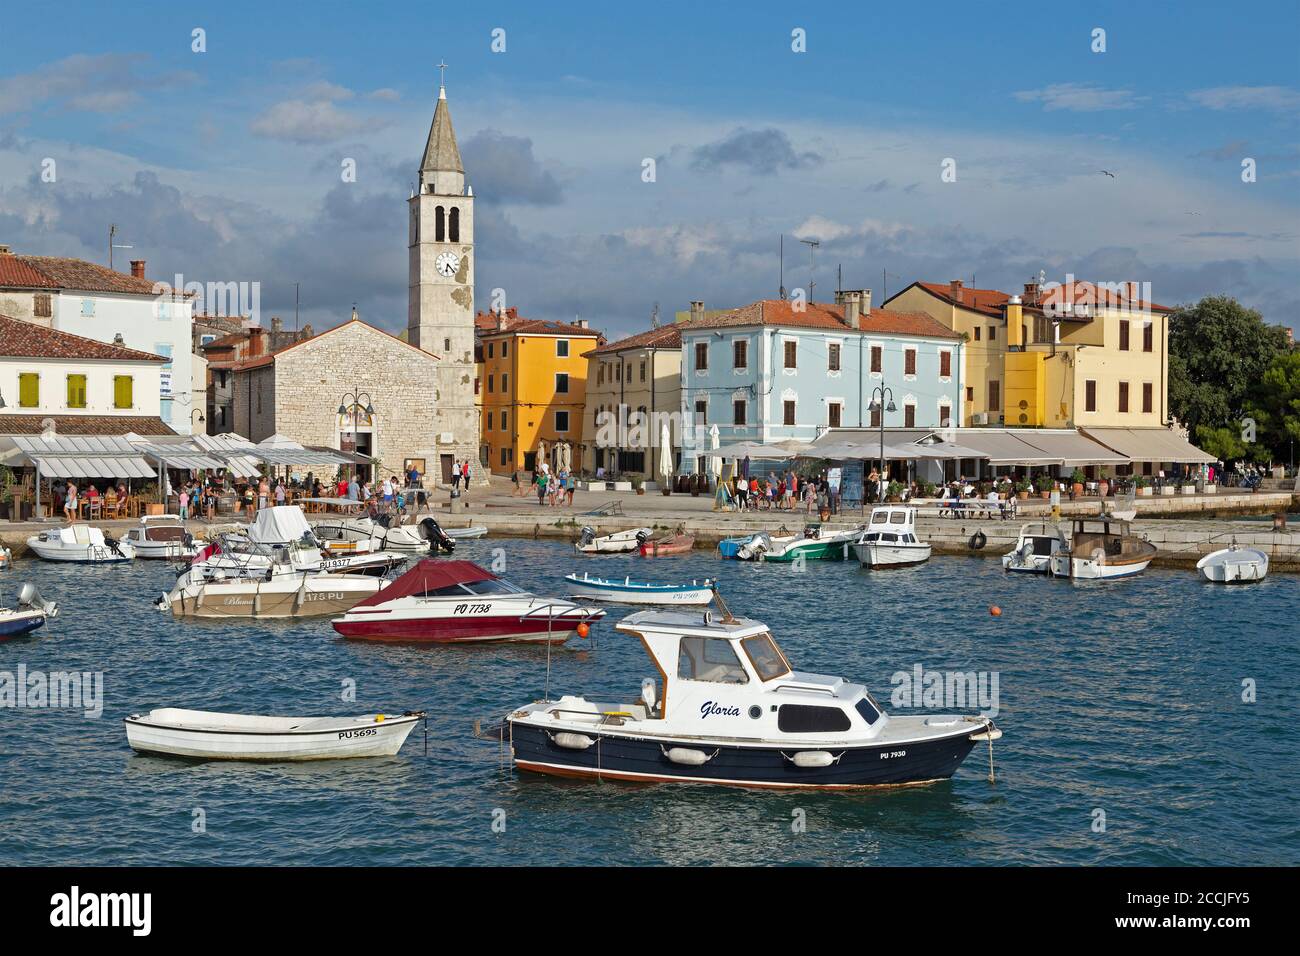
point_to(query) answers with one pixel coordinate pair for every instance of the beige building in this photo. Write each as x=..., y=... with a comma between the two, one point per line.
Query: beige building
x=298, y=392
x=627, y=379
x=1055, y=356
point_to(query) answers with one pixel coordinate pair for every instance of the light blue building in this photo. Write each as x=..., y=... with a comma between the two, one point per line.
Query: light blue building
x=780, y=369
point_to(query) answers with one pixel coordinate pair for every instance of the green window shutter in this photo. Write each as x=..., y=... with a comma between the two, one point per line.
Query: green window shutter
x=76, y=391
x=29, y=390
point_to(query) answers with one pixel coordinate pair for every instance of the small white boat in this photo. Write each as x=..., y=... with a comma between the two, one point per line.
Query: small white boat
x=890, y=540
x=163, y=536
x=32, y=612
x=6, y=558
x=466, y=534
x=79, y=543
x=1035, y=546
x=384, y=533
x=620, y=542
x=1234, y=565
x=628, y=591
x=1102, y=549
x=208, y=735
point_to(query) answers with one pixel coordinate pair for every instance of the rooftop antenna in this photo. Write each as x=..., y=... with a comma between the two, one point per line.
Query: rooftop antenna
x=782, y=265
x=812, y=244
x=295, y=306
x=112, y=231
x=839, y=278
x=654, y=317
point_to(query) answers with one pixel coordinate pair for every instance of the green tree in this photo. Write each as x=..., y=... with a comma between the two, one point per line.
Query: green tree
x=1219, y=351
x=1274, y=405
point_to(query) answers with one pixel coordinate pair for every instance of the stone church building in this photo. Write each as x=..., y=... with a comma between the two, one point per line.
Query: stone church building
x=421, y=390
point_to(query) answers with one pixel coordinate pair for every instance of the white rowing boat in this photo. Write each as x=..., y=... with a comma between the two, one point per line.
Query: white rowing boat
x=208, y=735
x=1234, y=565
x=628, y=591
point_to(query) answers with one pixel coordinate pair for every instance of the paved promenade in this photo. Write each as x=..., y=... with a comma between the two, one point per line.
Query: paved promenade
x=1197, y=525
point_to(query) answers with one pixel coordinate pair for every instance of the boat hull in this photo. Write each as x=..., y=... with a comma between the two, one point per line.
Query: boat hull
x=632, y=594
x=676, y=545
x=1087, y=569
x=1240, y=566
x=880, y=557
x=643, y=759
x=512, y=629
x=813, y=551
x=372, y=740
x=312, y=596
x=17, y=623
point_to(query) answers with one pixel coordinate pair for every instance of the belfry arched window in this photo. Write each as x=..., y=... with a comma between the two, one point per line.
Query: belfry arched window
x=455, y=224
x=439, y=224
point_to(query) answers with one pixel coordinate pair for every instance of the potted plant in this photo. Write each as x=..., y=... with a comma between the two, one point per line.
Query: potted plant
x=638, y=485
x=1143, y=485
x=1103, y=486
x=1077, y=479
x=1045, y=487
x=894, y=492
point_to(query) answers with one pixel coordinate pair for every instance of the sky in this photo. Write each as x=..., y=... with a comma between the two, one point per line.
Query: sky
x=227, y=164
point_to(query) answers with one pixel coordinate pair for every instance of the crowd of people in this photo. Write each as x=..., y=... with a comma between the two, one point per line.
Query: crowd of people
x=554, y=490
x=786, y=491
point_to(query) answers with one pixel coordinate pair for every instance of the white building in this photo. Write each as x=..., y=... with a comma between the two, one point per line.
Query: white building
x=89, y=300
x=80, y=385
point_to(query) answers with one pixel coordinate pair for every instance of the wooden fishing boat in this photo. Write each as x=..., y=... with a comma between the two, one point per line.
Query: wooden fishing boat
x=1102, y=549
x=677, y=543
x=628, y=591
x=208, y=735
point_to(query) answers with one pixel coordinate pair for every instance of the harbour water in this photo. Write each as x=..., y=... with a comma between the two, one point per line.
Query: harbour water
x=1121, y=699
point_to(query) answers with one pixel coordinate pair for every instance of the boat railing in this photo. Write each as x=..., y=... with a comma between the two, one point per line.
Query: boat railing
x=806, y=689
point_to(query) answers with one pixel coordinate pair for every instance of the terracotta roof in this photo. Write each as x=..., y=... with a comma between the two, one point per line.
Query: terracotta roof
x=29, y=340
x=987, y=301
x=270, y=357
x=82, y=276
x=541, y=327
x=15, y=273
x=825, y=315
x=85, y=424
x=1089, y=293
x=664, y=337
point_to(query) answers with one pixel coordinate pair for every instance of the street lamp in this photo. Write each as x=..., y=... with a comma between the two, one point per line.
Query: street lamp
x=355, y=402
x=882, y=400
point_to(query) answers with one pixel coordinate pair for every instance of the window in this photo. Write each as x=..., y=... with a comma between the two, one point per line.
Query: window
x=710, y=659
x=1090, y=396
x=789, y=412
x=876, y=358
x=503, y=421
x=561, y=348
x=1148, y=397
x=875, y=417
x=562, y=383
x=769, y=663
x=868, y=710
x=945, y=365
x=76, y=391
x=807, y=719
x=790, y=354
x=87, y=307
x=600, y=374
x=123, y=388
x=833, y=357
x=446, y=345
x=504, y=460
x=945, y=415
x=702, y=412
x=909, y=416
x=909, y=361
x=440, y=225
x=491, y=378
x=643, y=370
x=41, y=306
x=505, y=382
x=491, y=346
x=1148, y=336
x=505, y=349
x=701, y=356
x=740, y=354
x=970, y=393
x=995, y=396
x=618, y=370
x=738, y=411
x=1123, y=335
x=977, y=333
x=1123, y=396
x=490, y=419
x=993, y=333
x=29, y=390
x=561, y=421
x=453, y=229
x=834, y=413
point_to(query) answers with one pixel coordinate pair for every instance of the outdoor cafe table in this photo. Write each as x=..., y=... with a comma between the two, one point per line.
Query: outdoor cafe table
x=345, y=505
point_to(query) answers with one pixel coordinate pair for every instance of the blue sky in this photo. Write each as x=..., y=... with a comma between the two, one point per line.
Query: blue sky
x=224, y=165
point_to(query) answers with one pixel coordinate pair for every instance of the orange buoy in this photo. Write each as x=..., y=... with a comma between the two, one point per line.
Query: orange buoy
x=583, y=629
x=995, y=611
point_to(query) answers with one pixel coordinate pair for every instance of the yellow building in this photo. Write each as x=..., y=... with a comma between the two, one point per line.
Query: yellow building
x=1057, y=356
x=532, y=390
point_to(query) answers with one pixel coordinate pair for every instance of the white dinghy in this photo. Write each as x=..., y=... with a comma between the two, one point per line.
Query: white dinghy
x=208, y=735
x=80, y=544
x=164, y=537
x=620, y=542
x=1234, y=565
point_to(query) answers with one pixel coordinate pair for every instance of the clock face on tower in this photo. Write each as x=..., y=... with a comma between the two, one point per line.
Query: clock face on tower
x=447, y=263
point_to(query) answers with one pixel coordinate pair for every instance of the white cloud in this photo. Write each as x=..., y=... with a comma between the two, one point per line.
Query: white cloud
x=1081, y=98
x=1279, y=99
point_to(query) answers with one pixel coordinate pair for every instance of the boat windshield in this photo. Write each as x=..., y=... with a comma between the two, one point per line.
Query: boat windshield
x=490, y=586
x=709, y=659
x=769, y=663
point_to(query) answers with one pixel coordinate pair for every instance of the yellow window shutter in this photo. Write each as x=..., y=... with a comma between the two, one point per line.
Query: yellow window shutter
x=29, y=390
x=122, y=397
x=76, y=391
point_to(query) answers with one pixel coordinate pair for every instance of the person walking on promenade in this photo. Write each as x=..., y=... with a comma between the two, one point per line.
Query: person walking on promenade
x=742, y=493
x=540, y=481
x=455, y=475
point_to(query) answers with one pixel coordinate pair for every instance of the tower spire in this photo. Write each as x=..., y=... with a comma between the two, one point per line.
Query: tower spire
x=441, y=154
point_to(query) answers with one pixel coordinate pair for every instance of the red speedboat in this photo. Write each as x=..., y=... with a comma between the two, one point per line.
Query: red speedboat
x=458, y=602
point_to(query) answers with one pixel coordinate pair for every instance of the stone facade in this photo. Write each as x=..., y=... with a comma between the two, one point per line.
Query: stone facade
x=301, y=388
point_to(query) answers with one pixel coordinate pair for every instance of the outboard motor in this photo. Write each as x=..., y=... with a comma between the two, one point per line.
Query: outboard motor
x=812, y=531
x=587, y=535
x=643, y=536
x=112, y=544
x=432, y=532
x=29, y=597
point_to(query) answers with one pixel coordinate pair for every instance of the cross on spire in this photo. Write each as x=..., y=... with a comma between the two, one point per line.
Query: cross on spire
x=442, y=78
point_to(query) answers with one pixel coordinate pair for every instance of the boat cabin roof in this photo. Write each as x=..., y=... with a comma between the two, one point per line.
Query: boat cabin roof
x=892, y=519
x=704, y=623
x=430, y=576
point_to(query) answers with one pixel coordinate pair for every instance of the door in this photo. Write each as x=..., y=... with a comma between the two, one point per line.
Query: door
x=447, y=462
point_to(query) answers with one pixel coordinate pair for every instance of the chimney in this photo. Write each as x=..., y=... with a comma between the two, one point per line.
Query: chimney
x=864, y=303
x=581, y=323
x=501, y=321
x=697, y=309
x=1015, y=318
x=955, y=290
x=117, y=339
x=852, y=303
x=4, y=250
x=277, y=324
x=137, y=268
x=306, y=331
x=841, y=297
x=1031, y=292
x=255, y=344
